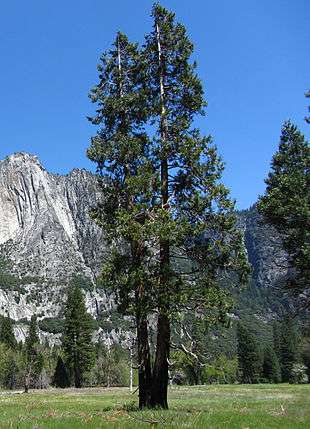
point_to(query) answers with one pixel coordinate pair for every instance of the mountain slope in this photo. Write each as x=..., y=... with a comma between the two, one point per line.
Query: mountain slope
x=46, y=236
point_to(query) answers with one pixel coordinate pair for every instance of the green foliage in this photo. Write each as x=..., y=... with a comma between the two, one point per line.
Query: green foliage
x=10, y=372
x=298, y=374
x=111, y=366
x=129, y=161
x=61, y=377
x=222, y=370
x=54, y=325
x=305, y=353
x=9, y=281
x=34, y=359
x=77, y=336
x=249, y=357
x=187, y=370
x=32, y=339
x=11, y=368
x=289, y=353
x=113, y=320
x=162, y=195
x=286, y=206
x=271, y=371
x=81, y=282
x=7, y=336
x=190, y=366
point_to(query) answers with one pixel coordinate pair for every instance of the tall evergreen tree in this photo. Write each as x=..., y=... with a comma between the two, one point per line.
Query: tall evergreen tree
x=249, y=358
x=61, y=377
x=77, y=336
x=289, y=353
x=120, y=151
x=192, y=214
x=276, y=335
x=271, y=366
x=33, y=357
x=286, y=206
x=7, y=336
x=10, y=371
x=165, y=201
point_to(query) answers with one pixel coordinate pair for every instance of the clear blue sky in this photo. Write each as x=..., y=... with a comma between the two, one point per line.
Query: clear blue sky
x=253, y=58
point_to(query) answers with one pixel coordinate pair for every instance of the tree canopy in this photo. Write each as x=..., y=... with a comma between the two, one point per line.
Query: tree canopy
x=164, y=208
x=77, y=336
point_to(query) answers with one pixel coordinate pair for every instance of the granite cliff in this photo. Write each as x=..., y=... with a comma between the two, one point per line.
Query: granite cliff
x=47, y=238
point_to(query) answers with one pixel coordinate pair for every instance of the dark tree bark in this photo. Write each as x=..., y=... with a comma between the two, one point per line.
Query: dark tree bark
x=160, y=371
x=77, y=374
x=161, y=368
x=144, y=364
x=144, y=357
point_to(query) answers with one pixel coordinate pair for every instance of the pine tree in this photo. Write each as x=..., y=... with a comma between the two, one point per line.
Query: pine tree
x=77, y=336
x=7, y=336
x=289, y=354
x=163, y=197
x=9, y=371
x=34, y=361
x=192, y=215
x=249, y=359
x=271, y=367
x=286, y=206
x=120, y=151
x=276, y=336
x=61, y=377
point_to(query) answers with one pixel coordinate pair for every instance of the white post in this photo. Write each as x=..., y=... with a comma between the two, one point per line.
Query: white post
x=131, y=369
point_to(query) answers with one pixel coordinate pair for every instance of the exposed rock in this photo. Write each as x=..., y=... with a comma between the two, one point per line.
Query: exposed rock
x=46, y=236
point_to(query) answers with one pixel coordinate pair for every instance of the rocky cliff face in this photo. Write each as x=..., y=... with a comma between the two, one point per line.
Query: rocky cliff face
x=264, y=249
x=46, y=237
x=265, y=295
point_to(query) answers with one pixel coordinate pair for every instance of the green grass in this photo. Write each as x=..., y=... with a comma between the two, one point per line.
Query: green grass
x=216, y=406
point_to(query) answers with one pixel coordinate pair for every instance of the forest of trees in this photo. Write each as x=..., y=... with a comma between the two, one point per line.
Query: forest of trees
x=176, y=252
x=282, y=356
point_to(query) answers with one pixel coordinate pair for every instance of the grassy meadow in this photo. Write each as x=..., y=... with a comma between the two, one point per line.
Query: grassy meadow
x=216, y=406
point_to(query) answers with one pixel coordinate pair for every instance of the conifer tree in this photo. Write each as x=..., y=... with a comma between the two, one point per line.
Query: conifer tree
x=77, y=336
x=286, y=206
x=61, y=377
x=276, y=336
x=33, y=357
x=9, y=371
x=7, y=336
x=271, y=367
x=120, y=151
x=163, y=199
x=192, y=215
x=289, y=353
x=249, y=359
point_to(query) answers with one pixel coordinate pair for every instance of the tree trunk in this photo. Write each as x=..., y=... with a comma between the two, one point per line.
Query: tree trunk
x=160, y=371
x=144, y=364
x=77, y=374
x=131, y=369
x=27, y=379
x=161, y=368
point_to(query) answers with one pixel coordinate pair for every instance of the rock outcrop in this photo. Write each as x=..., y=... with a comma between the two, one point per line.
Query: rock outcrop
x=46, y=237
